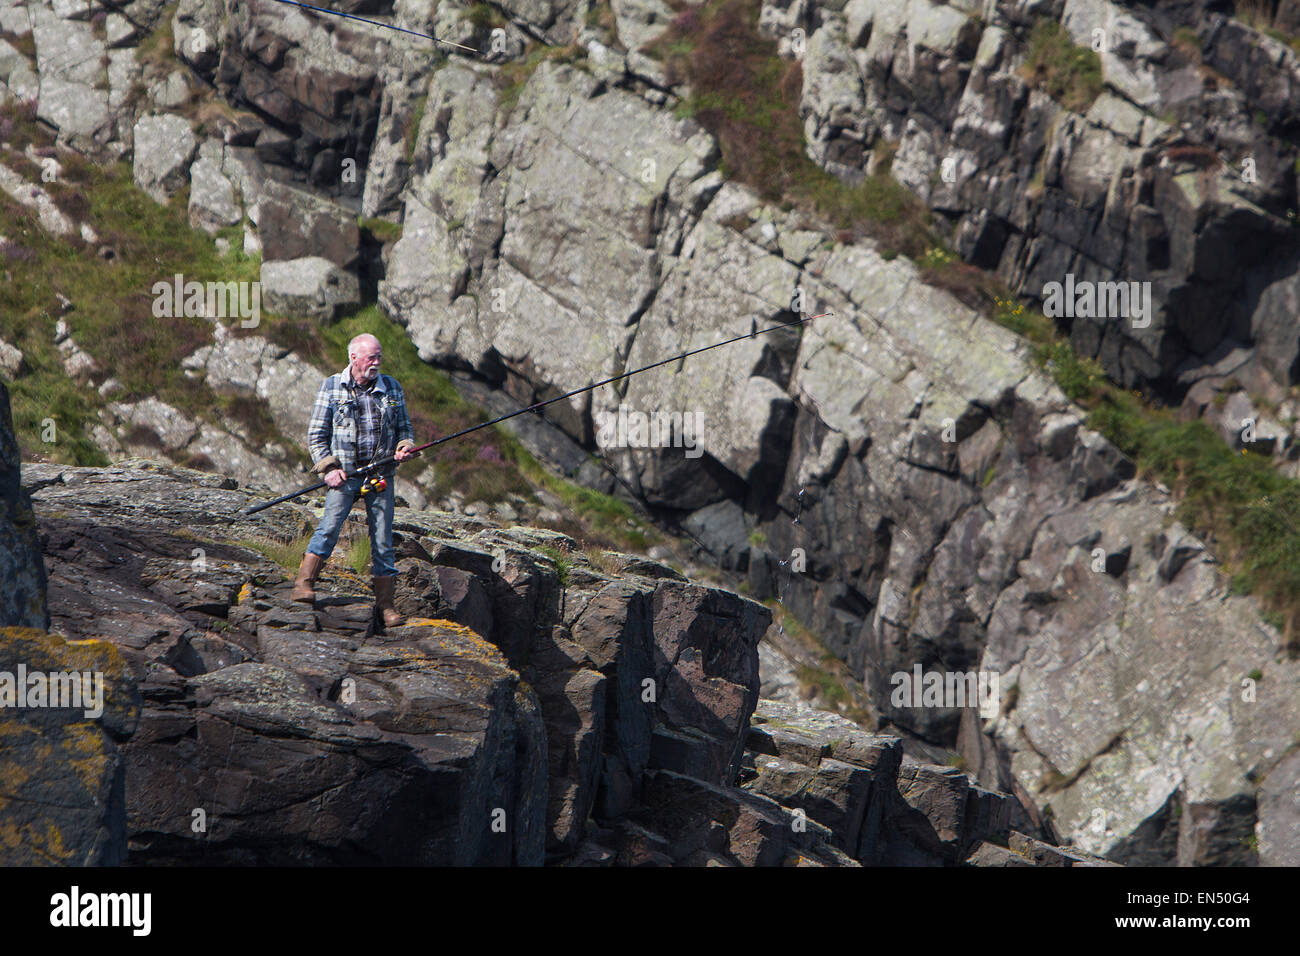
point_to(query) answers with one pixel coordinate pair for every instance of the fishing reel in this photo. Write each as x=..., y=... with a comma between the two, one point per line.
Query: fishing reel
x=373, y=484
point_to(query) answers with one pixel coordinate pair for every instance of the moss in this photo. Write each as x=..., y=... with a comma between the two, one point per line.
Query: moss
x=380, y=229
x=513, y=77
x=413, y=128
x=485, y=16
x=1069, y=74
x=830, y=680
x=158, y=48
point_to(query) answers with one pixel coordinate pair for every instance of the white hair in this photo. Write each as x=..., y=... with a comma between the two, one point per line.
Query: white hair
x=364, y=337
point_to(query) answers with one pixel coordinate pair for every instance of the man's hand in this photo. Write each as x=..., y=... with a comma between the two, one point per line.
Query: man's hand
x=404, y=453
x=335, y=477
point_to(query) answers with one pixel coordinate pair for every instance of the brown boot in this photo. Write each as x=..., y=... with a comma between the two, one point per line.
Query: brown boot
x=385, y=588
x=307, y=571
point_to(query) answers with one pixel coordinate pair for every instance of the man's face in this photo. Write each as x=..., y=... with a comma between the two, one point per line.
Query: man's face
x=365, y=363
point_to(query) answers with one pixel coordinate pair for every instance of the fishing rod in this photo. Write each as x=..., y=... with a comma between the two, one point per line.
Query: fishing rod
x=379, y=23
x=378, y=483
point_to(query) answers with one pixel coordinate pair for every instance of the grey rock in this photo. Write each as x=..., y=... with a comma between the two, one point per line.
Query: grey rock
x=11, y=360
x=120, y=31
x=312, y=287
x=164, y=148
x=22, y=572
x=62, y=812
x=51, y=218
x=640, y=21
x=294, y=223
x=1279, y=814
x=171, y=92
x=170, y=428
x=197, y=35
x=213, y=200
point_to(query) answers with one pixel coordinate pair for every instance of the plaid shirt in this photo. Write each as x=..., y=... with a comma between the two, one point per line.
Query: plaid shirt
x=338, y=423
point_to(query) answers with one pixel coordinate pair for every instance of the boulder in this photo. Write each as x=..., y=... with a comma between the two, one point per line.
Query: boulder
x=164, y=148
x=312, y=287
x=60, y=809
x=296, y=224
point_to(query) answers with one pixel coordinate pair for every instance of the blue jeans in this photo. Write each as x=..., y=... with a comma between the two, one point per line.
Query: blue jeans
x=379, y=521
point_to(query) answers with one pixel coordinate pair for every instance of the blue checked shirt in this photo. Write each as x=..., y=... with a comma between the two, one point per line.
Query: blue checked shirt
x=345, y=423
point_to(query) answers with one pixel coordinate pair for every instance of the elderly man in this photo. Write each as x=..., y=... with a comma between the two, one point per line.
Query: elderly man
x=359, y=417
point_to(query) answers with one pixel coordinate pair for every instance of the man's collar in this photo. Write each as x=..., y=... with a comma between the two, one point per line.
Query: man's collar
x=350, y=381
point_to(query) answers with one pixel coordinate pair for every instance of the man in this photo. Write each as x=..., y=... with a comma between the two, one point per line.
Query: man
x=359, y=417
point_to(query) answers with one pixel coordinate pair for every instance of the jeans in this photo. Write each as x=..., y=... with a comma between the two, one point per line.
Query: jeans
x=379, y=520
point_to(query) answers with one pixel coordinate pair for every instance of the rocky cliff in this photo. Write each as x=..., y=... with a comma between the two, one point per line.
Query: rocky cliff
x=537, y=706
x=900, y=473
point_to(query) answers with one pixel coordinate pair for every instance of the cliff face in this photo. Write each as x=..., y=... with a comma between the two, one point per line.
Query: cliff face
x=898, y=472
x=1175, y=169
x=951, y=504
x=22, y=573
x=537, y=707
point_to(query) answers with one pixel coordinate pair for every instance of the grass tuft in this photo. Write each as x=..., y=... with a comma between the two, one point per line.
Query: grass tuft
x=1069, y=74
x=743, y=93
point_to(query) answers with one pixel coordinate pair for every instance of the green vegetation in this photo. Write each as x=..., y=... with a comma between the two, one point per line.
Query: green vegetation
x=413, y=128
x=358, y=557
x=830, y=679
x=748, y=97
x=1236, y=501
x=380, y=229
x=602, y=560
x=563, y=563
x=159, y=47
x=513, y=77
x=601, y=15
x=287, y=554
x=604, y=521
x=111, y=314
x=831, y=689
x=485, y=16
x=1186, y=39
x=1262, y=15
x=1070, y=74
